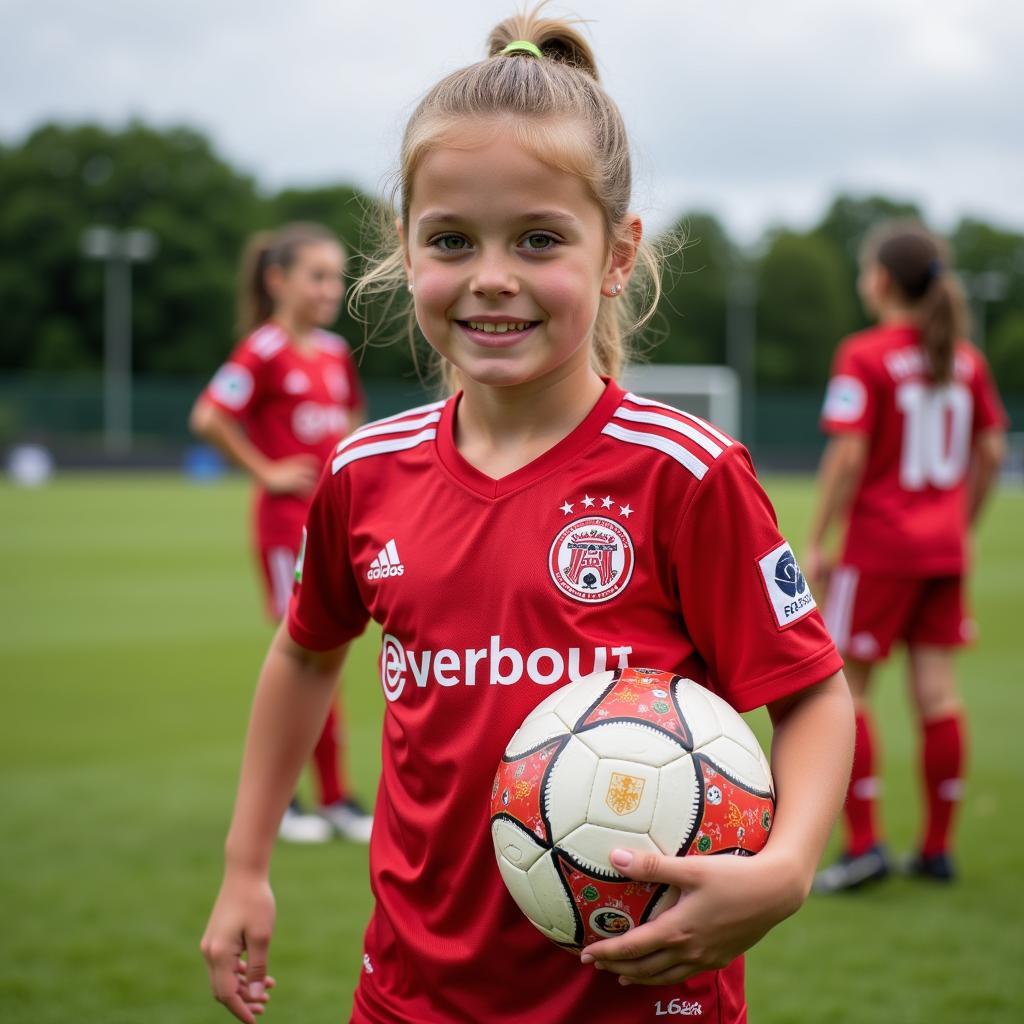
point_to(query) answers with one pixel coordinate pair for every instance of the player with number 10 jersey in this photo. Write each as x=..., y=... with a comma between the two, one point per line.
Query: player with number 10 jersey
x=909, y=515
x=916, y=430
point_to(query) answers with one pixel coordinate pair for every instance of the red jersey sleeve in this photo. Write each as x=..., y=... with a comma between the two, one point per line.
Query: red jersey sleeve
x=745, y=602
x=238, y=385
x=326, y=608
x=988, y=406
x=850, y=402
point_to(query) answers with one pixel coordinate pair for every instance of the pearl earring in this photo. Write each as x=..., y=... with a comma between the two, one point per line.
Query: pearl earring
x=409, y=286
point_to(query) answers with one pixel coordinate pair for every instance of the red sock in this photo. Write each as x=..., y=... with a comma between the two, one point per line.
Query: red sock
x=329, y=774
x=943, y=753
x=863, y=790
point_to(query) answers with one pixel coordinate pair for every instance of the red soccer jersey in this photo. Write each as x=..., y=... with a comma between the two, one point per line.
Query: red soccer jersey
x=291, y=401
x=909, y=515
x=486, y=603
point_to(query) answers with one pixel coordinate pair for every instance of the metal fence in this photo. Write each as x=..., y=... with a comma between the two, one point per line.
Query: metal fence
x=65, y=413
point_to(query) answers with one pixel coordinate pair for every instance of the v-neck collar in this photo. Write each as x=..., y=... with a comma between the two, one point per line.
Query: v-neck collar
x=559, y=454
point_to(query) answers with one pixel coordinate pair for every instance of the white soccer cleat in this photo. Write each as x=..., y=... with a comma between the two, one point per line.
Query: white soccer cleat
x=298, y=827
x=348, y=819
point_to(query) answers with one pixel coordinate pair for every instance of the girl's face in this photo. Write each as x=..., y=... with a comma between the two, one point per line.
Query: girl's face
x=508, y=258
x=309, y=292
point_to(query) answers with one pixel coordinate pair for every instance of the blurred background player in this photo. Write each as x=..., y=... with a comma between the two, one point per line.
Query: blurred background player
x=277, y=408
x=917, y=435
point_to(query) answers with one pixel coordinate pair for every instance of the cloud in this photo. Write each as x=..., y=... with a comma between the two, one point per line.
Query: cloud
x=757, y=111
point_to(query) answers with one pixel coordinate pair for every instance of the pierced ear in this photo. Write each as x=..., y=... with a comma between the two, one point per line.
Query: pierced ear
x=623, y=255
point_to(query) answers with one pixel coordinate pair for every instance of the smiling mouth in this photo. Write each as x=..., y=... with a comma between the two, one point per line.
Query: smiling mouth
x=499, y=327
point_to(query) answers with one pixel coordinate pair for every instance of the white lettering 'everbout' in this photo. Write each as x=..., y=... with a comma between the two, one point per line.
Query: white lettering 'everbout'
x=493, y=665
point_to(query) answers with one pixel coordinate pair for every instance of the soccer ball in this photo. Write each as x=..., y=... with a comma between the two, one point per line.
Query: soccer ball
x=636, y=758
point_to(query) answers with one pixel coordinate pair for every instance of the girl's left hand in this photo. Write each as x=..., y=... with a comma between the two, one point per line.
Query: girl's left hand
x=726, y=904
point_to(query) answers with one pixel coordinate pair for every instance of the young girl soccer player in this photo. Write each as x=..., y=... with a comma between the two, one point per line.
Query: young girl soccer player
x=277, y=407
x=917, y=434
x=518, y=247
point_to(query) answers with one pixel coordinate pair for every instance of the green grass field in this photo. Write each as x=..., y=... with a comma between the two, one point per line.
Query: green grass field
x=130, y=640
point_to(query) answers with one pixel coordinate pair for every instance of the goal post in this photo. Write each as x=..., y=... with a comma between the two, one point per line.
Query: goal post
x=711, y=392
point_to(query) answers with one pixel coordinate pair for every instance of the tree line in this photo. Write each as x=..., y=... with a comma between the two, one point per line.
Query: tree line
x=62, y=179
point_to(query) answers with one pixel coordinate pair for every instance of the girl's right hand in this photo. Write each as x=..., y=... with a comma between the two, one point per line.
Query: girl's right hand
x=296, y=474
x=236, y=943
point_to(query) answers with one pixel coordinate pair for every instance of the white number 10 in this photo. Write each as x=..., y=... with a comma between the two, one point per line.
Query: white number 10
x=936, y=434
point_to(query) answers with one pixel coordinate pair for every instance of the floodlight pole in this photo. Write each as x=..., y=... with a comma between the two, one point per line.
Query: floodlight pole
x=118, y=250
x=985, y=287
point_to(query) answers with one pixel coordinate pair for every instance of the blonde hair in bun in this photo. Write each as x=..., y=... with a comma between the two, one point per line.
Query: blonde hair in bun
x=555, y=107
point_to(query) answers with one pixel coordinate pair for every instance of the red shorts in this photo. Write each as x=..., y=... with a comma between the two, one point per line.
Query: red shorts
x=867, y=614
x=278, y=564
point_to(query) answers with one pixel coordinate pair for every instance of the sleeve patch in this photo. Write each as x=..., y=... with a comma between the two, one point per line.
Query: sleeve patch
x=232, y=386
x=845, y=399
x=788, y=592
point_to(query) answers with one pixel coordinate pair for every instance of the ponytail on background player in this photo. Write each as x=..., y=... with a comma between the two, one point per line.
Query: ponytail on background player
x=917, y=263
x=556, y=109
x=266, y=249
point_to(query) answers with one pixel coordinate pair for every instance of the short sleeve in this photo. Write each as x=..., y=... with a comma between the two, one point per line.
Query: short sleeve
x=326, y=608
x=745, y=602
x=237, y=386
x=989, y=410
x=850, y=402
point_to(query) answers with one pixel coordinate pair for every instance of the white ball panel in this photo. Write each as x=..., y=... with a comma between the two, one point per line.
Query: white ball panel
x=569, y=785
x=514, y=845
x=624, y=795
x=699, y=711
x=736, y=761
x=535, y=730
x=521, y=888
x=555, y=934
x=549, y=705
x=592, y=844
x=577, y=697
x=549, y=892
x=675, y=815
x=732, y=723
x=632, y=742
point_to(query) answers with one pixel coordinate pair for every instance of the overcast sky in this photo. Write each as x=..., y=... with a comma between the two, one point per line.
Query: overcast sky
x=757, y=111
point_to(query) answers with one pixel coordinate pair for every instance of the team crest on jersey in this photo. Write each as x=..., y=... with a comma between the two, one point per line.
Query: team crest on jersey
x=591, y=559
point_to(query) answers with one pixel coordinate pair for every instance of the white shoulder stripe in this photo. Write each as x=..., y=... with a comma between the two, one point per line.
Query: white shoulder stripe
x=408, y=412
x=682, y=455
x=383, y=427
x=327, y=341
x=268, y=340
x=397, y=444
x=703, y=424
x=657, y=420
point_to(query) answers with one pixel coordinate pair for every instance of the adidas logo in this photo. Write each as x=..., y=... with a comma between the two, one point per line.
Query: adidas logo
x=387, y=563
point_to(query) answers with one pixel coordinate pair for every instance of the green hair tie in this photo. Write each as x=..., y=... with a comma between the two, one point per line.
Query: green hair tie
x=524, y=46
